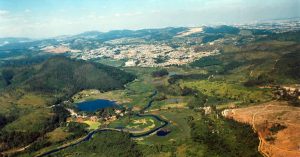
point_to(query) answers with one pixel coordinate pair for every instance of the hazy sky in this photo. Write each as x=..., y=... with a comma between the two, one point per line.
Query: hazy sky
x=48, y=18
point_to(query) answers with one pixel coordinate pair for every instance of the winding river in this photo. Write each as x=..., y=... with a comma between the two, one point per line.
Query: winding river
x=140, y=114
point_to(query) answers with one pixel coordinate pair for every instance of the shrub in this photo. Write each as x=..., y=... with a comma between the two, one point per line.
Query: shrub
x=160, y=73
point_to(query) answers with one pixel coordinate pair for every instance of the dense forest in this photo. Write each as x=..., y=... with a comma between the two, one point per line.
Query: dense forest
x=225, y=137
x=63, y=77
x=105, y=144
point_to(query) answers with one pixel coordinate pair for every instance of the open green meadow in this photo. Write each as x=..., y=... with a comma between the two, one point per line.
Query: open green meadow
x=135, y=124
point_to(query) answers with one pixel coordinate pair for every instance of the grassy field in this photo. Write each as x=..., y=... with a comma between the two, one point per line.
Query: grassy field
x=57, y=135
x=31, y=122
x=92, y=124
x=140, y=90
x=32, y=99
x=180, y=130
x=223, y=90
x=136, y=124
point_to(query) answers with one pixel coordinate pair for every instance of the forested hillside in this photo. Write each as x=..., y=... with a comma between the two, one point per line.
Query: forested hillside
x=27, y=92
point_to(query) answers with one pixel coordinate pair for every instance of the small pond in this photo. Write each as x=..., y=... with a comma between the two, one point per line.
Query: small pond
x=94, y=105
x=162, y=132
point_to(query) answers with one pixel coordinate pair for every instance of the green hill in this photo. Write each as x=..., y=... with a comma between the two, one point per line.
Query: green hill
x=63, y=77
x=28, y=91
x=287, y=67
x=60, y=74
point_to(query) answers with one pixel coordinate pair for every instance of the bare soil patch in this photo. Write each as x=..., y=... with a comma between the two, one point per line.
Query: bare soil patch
x=277, y=124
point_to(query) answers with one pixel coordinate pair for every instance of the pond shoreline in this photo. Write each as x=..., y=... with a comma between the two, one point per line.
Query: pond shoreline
x=140, y=114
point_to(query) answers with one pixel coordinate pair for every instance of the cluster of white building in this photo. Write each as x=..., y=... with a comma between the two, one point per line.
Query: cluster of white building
x=146, y=55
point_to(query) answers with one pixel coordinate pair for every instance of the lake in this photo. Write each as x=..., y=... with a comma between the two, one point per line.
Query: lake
x=94, y=105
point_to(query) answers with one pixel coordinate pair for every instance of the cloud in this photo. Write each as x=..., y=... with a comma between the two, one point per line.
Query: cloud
x=3, y=13
x=128, y=14
x=133, y=13
x=27, y=11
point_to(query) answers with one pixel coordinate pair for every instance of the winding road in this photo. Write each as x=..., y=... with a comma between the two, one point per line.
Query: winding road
x=90, y=134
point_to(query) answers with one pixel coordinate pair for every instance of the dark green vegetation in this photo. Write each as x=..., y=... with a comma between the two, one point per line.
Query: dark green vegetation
x=206, y=61
x=149, y=34
x=174, y=78
x=64, y=77
x=287, y=66
x=161, y=59
x=104, y=144
x=210, y=38
x=198, y=100
x=17, y=133
x=285, y=70
x=68, y=76
x=277, y=127
x=224, y=137
x=256, y=63
x=222, y=30
x=160, y=73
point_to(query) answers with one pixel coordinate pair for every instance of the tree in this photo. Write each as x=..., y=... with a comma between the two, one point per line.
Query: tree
x=8, y=74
